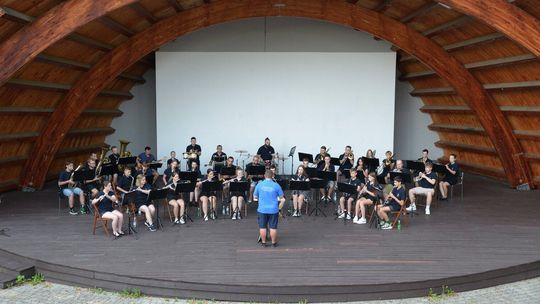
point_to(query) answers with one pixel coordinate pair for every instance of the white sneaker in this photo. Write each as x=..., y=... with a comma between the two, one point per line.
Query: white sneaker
x=342, y=215
x=206, y=218
x=412, y=207
x=234, y=216
x=182, y=221
x=355, y=219
x=386, y=226
x=348, y=216
x=427, y=211
x=361, y=221
x=295, y=213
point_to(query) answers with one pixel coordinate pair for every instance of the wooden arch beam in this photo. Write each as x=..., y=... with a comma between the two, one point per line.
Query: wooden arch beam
x=507, y=18
x=23, y=46
x=336, y=11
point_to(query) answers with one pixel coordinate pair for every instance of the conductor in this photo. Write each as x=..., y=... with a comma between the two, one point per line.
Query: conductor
x=270, y=197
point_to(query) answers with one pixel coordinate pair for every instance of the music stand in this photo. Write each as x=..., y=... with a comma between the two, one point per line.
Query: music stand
x=312, y=172
x=299, y=186
x=239, y=187
x=405, y=177
x=182, y=188
x=227, y=171
x=130, y=197
x=415, y=165
x=346, y=173
x=108, y=169
x=155, y=166
x=441, y=169
x=127, y=161
x=349, y=189
x=317, y=183
x=371, y=163
x=255, y=171
x=209, y=187
x=158, y=195
x=188, y=176
x=335, y=161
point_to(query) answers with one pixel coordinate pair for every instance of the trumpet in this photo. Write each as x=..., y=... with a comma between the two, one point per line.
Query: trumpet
x=351, y=156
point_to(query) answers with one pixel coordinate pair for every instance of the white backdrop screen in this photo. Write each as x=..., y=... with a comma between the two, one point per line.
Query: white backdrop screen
x=296, y=99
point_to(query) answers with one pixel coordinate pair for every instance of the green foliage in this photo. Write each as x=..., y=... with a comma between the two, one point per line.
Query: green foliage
x=445, y=292
x=97, y=290
x=303, y=301
x=131, y=293
x=20, y=280
x=36, y=279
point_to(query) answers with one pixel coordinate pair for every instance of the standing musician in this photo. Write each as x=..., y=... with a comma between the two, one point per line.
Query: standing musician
x=426, y=186
x=168, y=173
x=319, y=158
x=175, y=199
x=254, y=162
x=141, y=201
x=194, y=148
x=238, y=198
x=368, y=196
x=395, y=200
x=363, y=171
x=266, y=153
x=346, y=161
x=91, y=185
x=229, y=163
x=105, y=200
x=299, y=196
x=194, y=196
x=271, y=200
x=348, y=197
x=328, y=167
x=173, y=158
x=66, y=184
x=113, y=159
x=208, y=196
x=219, y=154
x=451, y=178
x=425, y=157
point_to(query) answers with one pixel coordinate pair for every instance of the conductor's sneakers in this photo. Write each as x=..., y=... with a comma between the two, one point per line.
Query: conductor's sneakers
x=274, y=245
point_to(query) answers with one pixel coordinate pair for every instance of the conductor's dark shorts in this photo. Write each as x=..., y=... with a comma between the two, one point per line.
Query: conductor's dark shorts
x=268, y=220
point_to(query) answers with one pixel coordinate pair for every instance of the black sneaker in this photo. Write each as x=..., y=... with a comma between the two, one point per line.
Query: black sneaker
x=263, y=245
x=147, y=224
x=274, y=245
x=72, y=211
x=152, y=228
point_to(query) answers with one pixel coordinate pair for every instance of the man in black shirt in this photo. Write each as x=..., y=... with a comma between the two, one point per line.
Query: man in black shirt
x=66, y=185
x=173, y=158
x=425, y=158
x=426, y=186
x=451, y=176
x=92, y=185
x=218, y=157
x=346, y=161
x=194, y=148
x=266, y=152
x=113, y=159
x=319, y=158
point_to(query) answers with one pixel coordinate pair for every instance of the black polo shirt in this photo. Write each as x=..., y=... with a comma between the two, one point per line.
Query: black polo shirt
x=266, y=152
x=425, y=184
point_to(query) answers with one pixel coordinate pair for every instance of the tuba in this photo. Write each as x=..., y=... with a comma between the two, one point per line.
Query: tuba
x=102, y=159
x=123, y=152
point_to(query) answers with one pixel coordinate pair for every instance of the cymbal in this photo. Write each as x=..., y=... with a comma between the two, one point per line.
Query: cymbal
x=240, y=151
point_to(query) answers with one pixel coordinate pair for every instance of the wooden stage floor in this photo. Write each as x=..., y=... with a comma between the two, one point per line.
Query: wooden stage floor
x=488, y=238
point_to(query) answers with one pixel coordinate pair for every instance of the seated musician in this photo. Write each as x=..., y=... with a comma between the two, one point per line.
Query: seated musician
x=369, y=195
x=194, y=148
x=346, y=161
x=305, y=163
x=141, y=201
x=143, y=169
x=266, y=152
x=93, y=156
x=387, y=165
x=299, y=196
x=426, y=186
x=238, y=198
x=328, y=167
x=319, y=158
x=146, y=158
x=425, y=157
x=451, y=178
x=363, y=171
x=348, y=197
x=229, y=163
x=126, y=181
x=105, y=200
x=275, y=176
x=370, y=154
x=113, y=159
x=66, y=185
x=194, y=196
x=175, y=200
x=395, y=200
x=254, y=179
x=173, y=158
x=218, y=157
x=398, y=168
x=208, y=196
x=167, y=174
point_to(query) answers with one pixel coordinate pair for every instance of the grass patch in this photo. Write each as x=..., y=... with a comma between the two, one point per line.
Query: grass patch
x=445, y=292
x=131, y=293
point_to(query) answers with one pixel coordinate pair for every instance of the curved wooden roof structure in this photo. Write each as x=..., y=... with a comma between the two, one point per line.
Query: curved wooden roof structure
x=67, y=66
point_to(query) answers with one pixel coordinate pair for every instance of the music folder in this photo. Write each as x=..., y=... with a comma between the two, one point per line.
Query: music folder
x=184, y=187
x=108, y=169
x=327, y=175
x=229, y=171
x=415, y=165
x=188, y=175
x=128, y=161
x=299, y=185
x=157, y=194
x=212, y=186
x=155, y=165
x=317, y=183
x=335, y=161
x=129, y=197
x=301, y=157
x=405, y=177
x=312, y=172
x=438, y=168
x=239, y=186
x=347, y=188
x=371, y=163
